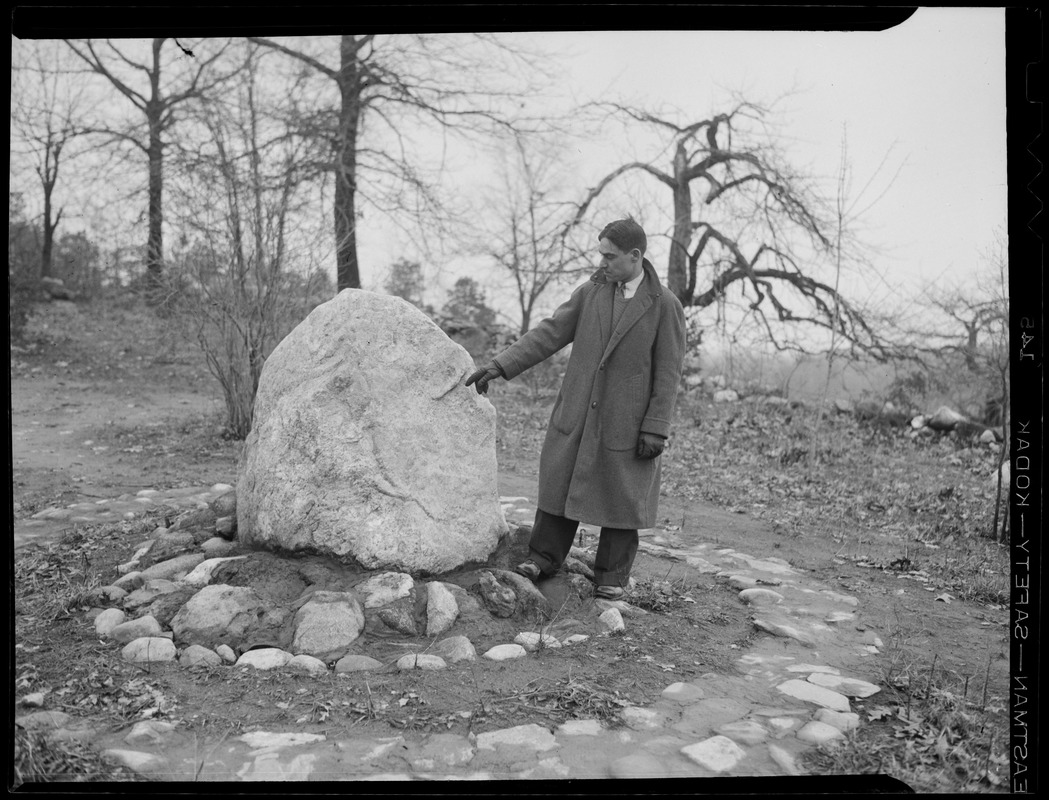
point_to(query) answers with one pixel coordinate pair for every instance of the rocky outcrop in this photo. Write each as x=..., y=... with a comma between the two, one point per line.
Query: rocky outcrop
x=367, y=447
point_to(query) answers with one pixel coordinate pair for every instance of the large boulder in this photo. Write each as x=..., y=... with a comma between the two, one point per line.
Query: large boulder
x=367, y=447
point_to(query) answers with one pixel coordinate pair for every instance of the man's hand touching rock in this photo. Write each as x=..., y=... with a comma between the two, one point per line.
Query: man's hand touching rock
x=483, y=376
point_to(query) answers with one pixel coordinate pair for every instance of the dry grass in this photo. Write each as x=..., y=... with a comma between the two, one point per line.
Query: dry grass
x=40, y=759
x=937, y=731
x=569, y=698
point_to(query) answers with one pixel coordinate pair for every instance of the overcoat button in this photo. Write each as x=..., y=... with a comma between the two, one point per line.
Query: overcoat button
x=594, y=404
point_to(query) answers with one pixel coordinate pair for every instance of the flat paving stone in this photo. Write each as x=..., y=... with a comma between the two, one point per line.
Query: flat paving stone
x=803, y=690
x=277, y=767
x=642, y=719
x=150, y=731
x=703, y=717
x=532, y=736
x=443, y=750
x=780, y=726
x=786, y=628
x=744, y=732
x=819, y=732
x=760, y=597
x=742, y=582
x=845, y=599
x=547, y=769
x=262, y=741
x=835, y=617
x=842, y=720
x=850, y=687
x=581, y=727
x=810, y=668
x=681, y=692
x=718, y=753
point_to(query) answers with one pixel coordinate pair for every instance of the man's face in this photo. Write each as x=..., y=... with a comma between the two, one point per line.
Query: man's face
x=617, y=265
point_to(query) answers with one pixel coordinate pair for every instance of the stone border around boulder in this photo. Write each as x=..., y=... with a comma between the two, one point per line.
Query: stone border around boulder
x=206, y=623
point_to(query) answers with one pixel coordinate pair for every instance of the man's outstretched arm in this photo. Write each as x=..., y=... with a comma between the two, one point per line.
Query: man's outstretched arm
x=545, y=339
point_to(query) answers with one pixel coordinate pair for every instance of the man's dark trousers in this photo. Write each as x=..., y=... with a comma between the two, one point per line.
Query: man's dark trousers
x=552, y=538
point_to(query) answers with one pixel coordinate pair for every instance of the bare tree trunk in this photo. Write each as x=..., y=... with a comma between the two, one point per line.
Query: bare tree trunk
x=347, y=269
x=155, y=240
x=48, y=173
x=50, y=225
x=154, y=109
x=526, y=319
x=677, y=266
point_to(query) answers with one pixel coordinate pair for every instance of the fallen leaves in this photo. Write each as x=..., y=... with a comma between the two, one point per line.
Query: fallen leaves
x=879, y=712
x=755, y=459
x=133, y=699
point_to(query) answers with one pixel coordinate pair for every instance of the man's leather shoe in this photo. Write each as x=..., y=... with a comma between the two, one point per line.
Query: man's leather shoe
x=529, y=569
x=609, y=592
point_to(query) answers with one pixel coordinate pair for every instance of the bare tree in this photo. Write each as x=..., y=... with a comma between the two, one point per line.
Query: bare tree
x=388, y=85
x=146, y=81
x=529, y=236
x=242, y=194
x=979, y=317
x=45, y=121
x=741, y=215
x=964, y=331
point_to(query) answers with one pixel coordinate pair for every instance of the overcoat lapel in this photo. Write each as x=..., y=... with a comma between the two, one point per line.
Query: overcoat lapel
x=603, y=301
x=631, y=314
x=634, y=311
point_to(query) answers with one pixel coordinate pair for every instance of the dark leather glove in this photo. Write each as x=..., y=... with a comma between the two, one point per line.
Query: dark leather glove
x=649, y=445
x=483, y=376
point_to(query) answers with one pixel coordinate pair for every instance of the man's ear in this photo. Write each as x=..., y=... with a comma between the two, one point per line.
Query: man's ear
x=635, y=254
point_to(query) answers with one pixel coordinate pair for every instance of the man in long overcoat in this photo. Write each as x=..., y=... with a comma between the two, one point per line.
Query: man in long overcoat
x=600, y=462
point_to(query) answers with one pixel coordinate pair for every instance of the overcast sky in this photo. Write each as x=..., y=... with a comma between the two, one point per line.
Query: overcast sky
x=924, y=106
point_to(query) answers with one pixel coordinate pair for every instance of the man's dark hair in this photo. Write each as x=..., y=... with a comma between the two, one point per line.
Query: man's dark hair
x=625, y=234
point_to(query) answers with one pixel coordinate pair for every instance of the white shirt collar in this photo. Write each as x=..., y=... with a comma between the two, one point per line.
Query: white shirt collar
x=630, y=286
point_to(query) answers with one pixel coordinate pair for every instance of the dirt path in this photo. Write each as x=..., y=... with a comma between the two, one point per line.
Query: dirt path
x=72, y=439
